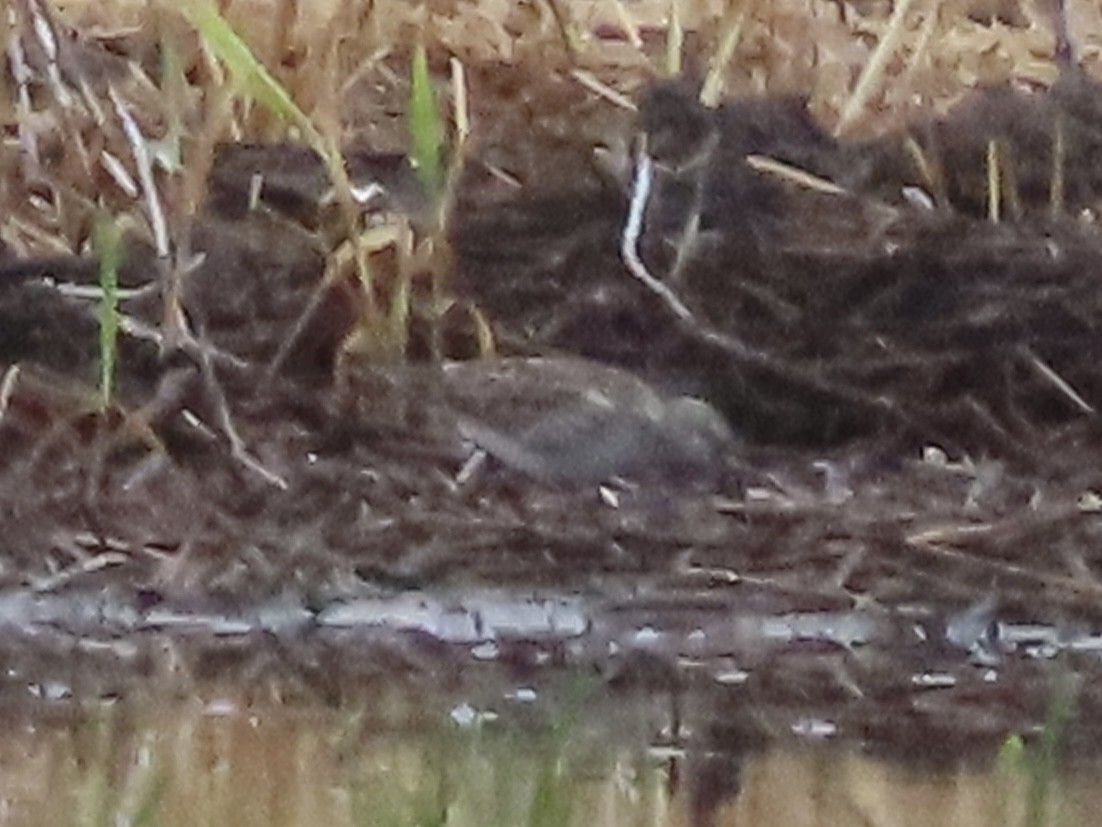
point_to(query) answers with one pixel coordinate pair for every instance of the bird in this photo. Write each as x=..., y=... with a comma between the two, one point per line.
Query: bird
x=566, y=420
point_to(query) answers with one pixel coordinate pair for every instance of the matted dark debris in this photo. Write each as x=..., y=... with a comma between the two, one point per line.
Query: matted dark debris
x=913, y=381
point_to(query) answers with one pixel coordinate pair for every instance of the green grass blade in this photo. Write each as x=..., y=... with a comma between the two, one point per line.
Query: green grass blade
x=1044, y=765
x=252, y=75
x=426, y=128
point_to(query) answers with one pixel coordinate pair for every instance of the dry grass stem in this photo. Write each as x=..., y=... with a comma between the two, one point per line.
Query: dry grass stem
x=795, y=175
x=872, y=76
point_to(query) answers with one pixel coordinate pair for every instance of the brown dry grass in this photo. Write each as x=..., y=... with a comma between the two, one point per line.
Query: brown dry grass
x=345, y=63
x=814, y=47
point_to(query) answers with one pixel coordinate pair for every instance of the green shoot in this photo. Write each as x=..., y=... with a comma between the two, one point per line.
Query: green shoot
x=259, y=84
x=426, y=129
x=553, y=798
x=168, y=150
x=1044, y=768
x=250, y=74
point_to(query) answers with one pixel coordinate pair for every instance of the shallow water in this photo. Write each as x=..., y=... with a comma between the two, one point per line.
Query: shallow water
x=394, y=758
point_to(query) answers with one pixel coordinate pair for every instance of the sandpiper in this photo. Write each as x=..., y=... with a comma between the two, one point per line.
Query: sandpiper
x=571, y=421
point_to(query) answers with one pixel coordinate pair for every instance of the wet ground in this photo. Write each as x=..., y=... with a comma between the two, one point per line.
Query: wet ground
x=777, y=438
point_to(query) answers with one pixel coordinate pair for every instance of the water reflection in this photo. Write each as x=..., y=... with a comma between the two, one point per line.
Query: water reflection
x=603, y=762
